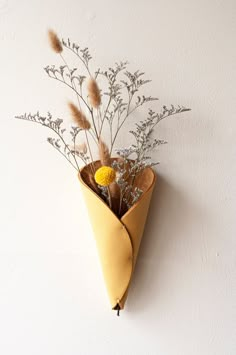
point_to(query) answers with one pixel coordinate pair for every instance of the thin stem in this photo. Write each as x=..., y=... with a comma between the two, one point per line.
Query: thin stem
x=121, y=201
x=99, y=114
x=110, y=125
x=66, y=145
x=109, y=197
x=66, y=158
x=95, y=128
x=126, y=116
x=104, y=116
x=79, y=96
x=74, y=139
x=71, y=87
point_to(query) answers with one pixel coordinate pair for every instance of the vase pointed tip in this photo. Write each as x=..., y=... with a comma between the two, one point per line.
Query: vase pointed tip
x=117, y=308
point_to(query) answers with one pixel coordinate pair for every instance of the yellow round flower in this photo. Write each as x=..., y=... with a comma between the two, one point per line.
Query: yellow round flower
x=105, y=175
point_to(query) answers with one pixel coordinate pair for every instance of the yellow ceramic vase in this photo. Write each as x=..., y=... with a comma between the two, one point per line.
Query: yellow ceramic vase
x=118, y=240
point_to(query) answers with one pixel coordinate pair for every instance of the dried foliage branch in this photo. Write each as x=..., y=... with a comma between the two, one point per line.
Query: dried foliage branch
x=82, y=53
x=55, y=125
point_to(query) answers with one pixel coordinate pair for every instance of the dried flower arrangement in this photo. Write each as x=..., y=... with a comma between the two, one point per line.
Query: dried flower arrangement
x=120, y=181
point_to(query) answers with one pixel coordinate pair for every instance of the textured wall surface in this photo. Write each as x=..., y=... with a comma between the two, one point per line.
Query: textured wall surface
x=182, y=298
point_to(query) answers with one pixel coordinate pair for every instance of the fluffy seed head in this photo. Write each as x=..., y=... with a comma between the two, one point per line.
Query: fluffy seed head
x=79, y=117
x=105, y=175
x=104, y=153
x=54, y=41
x=94, y=93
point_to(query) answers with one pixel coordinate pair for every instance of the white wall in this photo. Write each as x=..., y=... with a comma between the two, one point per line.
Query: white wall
x=182, y=298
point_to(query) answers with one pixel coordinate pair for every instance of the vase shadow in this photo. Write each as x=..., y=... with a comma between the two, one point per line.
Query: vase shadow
x=171, y=216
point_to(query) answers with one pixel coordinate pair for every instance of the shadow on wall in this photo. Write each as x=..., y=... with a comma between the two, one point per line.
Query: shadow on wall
x=171, y=219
